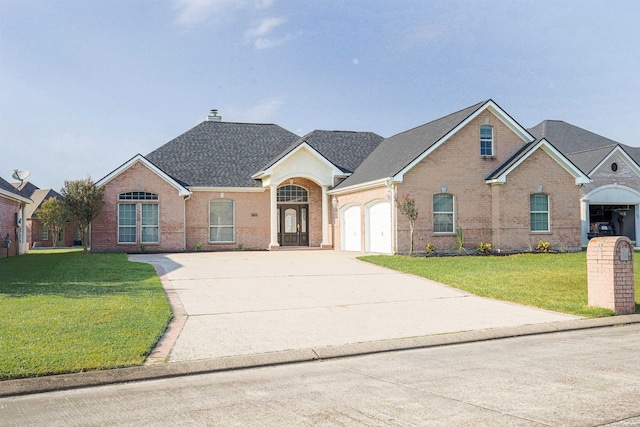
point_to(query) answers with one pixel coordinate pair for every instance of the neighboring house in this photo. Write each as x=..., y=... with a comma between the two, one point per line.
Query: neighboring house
x=227, y=185
x=37, y=234
x=611, y=201
x=12, y=215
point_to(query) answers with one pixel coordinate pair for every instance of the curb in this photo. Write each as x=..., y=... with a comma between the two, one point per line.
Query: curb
x=35, y=385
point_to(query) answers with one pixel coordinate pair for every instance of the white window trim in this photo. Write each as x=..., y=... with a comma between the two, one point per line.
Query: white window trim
x=142, y=226
x=233, y=224
x=453, y=214
x=138, y=226
x=548, y=212
x=493, y=139
x=127, y=226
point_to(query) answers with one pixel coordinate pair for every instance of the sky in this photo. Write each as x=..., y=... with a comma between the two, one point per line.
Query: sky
x=86, y=85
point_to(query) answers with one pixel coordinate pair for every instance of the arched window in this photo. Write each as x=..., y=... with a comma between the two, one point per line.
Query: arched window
x=486, y=141
x=443, y=220
x=292, y=194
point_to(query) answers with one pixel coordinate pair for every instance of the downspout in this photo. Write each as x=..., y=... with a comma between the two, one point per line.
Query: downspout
x=184, y=222
x=22, y=246
x=394, y=216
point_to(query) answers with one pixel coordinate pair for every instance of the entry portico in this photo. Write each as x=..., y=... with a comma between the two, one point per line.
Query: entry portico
x=294, y=213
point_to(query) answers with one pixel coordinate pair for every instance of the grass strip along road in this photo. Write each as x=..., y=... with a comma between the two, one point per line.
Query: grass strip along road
x=556, y=282
x=69, y=312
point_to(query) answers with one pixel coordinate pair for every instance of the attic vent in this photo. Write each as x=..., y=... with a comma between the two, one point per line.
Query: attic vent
x=214, y=117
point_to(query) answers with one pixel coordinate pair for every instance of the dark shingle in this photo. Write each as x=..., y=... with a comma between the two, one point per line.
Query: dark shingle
x=568, y=138
x=345, y=149
x=7, y=187
x=221, y=154
x=395, y=153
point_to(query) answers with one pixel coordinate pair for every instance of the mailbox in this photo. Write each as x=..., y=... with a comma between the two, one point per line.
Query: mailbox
x=6, y=243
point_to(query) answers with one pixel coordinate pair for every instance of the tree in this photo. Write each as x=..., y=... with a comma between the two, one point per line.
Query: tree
x=83, y=200
x=53, y=215
x=407, y=207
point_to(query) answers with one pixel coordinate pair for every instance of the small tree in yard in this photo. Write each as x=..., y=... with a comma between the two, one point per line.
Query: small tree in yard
x=53, y=215
x=83, y=200
x=407, y=207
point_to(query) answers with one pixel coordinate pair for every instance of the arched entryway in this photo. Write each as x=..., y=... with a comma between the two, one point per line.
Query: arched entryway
x=611, y=210
x=293, y=215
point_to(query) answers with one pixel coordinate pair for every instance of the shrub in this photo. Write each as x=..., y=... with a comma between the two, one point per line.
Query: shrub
x=544, y=246
x=429, y=248
x=484, y=248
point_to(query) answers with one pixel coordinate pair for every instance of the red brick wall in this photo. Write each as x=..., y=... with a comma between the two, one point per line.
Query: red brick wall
x=457, y=164
x=34, y=227
x=171, y=211
x=564, y=205
x=8, y=208
x=252, y=229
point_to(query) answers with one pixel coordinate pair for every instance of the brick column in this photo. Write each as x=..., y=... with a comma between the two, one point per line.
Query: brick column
x=610, y=274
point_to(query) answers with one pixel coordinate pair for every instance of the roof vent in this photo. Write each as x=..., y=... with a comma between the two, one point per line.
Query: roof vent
x=214, y=117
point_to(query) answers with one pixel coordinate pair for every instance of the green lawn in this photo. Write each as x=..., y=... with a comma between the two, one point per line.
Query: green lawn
x=65, y=311
x=555, y=282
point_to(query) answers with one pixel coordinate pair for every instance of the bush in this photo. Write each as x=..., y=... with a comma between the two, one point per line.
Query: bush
x=544, y=246
x=429, y=248
x=484, y=248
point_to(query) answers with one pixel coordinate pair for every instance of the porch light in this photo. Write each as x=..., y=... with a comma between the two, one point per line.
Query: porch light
x=334, y=202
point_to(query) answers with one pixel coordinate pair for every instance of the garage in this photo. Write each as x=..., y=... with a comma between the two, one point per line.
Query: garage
x=351, y=226
x=378, y=227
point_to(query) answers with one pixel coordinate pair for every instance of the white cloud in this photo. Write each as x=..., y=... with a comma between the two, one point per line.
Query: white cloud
x=192, y=12
x=266, y=25
x=260, y=34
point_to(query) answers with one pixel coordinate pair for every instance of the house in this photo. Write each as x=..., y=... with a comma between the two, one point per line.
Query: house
x=12, y=215
x=37, y=234
x=224, y=185
x=611, y=200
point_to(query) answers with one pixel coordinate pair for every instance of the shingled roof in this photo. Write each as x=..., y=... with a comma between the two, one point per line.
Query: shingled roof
x=395, y=153
x=584, y=148
x=10, y=191
x=221, y=154
x=345, y=149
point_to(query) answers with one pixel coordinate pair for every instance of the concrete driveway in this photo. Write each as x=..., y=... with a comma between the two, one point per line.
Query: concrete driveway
x=245, y=303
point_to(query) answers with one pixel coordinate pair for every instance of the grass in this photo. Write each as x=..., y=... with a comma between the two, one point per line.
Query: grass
x=556, y=282
x=65, y=311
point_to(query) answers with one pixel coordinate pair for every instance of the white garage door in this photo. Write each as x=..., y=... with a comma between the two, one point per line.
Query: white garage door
x=379, y=228
x=352, y=237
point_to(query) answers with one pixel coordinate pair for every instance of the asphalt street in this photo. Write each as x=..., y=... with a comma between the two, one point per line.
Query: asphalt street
x=579, y=378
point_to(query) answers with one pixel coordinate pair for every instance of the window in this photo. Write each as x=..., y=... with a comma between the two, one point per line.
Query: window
x=149, y=223
x=486, y=141
x=292, y=194
x=138, y=218
x=221, y=221
x=44, y=233
x=443, y=213
x=127, y=223
x=539, y=204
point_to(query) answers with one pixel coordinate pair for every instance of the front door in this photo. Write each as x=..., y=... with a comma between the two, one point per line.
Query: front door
x=293, y=227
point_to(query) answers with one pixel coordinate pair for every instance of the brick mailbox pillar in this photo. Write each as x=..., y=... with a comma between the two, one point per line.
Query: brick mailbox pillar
x=610, y=274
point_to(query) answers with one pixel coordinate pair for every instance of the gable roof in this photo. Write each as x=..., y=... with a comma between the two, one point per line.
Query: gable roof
x=25, y=188
x=500, y=174
x=9, y=191
x=569, y=138
x=586, y=149
x=221, y=154
x=344, y=149
x=139, y=158
x=38, y=197
x=398, y=154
